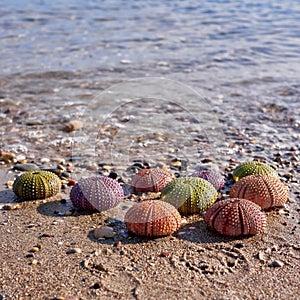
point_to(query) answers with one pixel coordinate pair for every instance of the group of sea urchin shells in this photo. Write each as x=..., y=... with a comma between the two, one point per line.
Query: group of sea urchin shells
x=257, y=187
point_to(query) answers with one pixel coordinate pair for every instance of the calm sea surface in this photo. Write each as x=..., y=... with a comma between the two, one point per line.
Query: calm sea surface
x=242, y=56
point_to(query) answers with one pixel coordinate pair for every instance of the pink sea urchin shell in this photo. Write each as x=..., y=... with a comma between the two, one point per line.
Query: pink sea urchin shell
x=265, y=190
x=216, y=179
x=236, y=217
x=152, y=218
x=98, y=193
x=150, y=180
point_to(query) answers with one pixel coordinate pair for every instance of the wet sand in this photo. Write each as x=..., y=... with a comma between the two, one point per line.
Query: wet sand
x=194, y=263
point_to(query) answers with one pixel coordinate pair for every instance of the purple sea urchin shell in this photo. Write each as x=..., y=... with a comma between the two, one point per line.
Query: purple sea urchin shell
x=98, y=193
x=265, y=190
x=236, y=217
x=150, y=180
x=152, y=218
x=216, y=179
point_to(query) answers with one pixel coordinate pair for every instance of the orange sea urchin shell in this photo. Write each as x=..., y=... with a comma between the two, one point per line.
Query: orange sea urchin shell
x=150, y=180
x=236, y=217
x=152, y=218
x=265, y=190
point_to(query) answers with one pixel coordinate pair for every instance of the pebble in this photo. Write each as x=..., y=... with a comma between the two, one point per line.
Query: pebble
x=118, y=244
x=7, y=157
x=276, y=264
x=74, y=250
x=207, y=160
x=104, y=232
x=34, y=262
x=45, y=160
x=73, y=125
x=35, y=249
x=12, y=206
x=26, y=167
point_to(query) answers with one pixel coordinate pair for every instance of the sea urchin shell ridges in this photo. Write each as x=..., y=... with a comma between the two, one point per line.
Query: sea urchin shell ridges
x=33, y=185
x=189, y=195
x=150, y=180
x=251, y=168
x=265, y=190
x=152, y=218
x=236, y=217
x=216, y=179
x=97, y=193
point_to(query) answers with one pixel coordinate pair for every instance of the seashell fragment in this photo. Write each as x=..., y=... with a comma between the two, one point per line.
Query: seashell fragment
x=216, y=179
x=150, y=180
x=152, y=218
x=236, y=217
x=97, y=193
x=33, y=185
x=251, y=168
x=189, y=195
x=265, y=190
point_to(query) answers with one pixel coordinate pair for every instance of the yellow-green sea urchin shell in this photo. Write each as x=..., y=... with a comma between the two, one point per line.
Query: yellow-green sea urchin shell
x=35, y=185
x=189, y=195
x=251, y=168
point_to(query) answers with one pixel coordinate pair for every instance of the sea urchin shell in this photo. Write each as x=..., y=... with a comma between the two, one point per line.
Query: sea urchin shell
x=150, y=180
x=251, y=168
x=37, y=184
x=265, y=190
x=152, y=218
x=189, y=195
x=97, y=193
x=236, y=217
x=216, y=179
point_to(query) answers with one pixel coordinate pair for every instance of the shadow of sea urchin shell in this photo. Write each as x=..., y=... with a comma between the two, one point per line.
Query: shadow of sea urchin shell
x=150, y=180
x=216, y=179
x=152, y=218
x=37, y=184
x=97, y=193
x=265, y=190
x=236, y=217
x=252, y=167
x=189, y=195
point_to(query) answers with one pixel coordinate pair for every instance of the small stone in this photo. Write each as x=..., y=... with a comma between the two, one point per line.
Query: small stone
x=35, y=249
x=118, y=244
x=7, y=157
x=96, y=286
x=26, y=167
x=34, y=262
x=45, y=160
x=165, y=254
x=74, y=250
x=276, y=264
x=71, y=182
x=72, y=126
x=261, y=256
x=207, y=160
x=104, y=232
x=239, y=245
x=12, y=206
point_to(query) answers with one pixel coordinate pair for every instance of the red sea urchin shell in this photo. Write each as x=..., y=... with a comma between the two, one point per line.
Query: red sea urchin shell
x=265, y=190
x=150, y=180
x=216, y=179
x=236, y=217
x=152, y=218
x=98, y=193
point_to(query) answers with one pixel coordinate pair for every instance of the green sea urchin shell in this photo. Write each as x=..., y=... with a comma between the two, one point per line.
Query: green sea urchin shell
x=251, y=168
x=35, y=185
x=189, y=195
